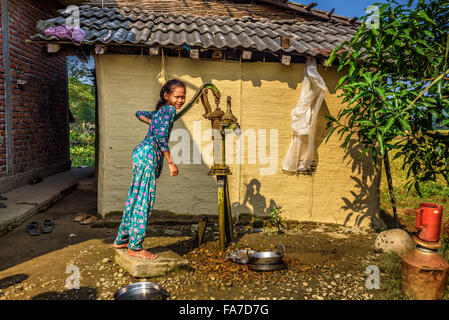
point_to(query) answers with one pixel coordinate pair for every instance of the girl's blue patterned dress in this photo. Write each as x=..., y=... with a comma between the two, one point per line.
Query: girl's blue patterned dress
x=147, y=166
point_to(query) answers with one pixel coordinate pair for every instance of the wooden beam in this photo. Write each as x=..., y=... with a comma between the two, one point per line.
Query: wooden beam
x=301, y=9
x=286, y=60
x=285, y=42
x=53, y=47
x=246, y=55
x=100, y=49
x=310, y=6
x=194, y=53
x=154, y=51
x=330, y=12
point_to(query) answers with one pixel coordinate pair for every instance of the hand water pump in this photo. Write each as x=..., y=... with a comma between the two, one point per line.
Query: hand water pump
x=223, y=123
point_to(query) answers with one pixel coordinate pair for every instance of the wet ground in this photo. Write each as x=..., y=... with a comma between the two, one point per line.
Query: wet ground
x=322, y=261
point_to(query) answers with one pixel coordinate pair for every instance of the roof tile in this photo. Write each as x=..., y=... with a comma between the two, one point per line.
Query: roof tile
x=134, y=26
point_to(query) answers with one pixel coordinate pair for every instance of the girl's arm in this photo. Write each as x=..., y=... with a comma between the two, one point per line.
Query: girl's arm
x=164, y=122
x=145, y=116
x=172, y=166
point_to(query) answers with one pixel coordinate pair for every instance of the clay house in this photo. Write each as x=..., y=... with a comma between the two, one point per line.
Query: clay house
x=254, y=52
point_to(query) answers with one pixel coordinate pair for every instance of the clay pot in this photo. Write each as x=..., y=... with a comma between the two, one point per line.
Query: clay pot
x=424, y=274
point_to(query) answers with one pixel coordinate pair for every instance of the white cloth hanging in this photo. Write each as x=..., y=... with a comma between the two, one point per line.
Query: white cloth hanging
x=300, y=153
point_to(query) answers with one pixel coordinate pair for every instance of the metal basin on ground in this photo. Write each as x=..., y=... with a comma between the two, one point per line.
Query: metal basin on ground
x=266, y=257
x=238, y=256
x=141, y=291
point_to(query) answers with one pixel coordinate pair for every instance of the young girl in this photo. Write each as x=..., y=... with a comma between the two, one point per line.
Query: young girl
x=147, y=167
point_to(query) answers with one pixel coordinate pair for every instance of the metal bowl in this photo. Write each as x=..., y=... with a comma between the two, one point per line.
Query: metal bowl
x=239, y=256
x=266, y=267
x=267, y=257
x=141, y=291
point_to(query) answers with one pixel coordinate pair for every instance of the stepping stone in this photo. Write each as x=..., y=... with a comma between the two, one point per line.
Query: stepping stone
x=166, y=262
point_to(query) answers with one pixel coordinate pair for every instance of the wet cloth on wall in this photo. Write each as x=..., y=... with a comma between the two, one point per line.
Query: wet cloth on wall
x=300, y=153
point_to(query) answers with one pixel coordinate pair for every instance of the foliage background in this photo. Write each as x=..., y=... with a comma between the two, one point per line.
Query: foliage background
x=82, y=107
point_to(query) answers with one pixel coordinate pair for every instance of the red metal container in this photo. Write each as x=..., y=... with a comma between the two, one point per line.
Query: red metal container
x=428, y=221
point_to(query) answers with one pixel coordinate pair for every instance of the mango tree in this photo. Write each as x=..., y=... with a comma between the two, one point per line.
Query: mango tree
x=396, y=89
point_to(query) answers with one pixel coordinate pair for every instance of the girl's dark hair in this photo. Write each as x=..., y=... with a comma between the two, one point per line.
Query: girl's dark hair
x=168, y=88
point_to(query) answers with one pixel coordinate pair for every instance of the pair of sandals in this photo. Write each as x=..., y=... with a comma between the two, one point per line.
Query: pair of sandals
x=2, y=205
x=85, y=219
x=33, y=228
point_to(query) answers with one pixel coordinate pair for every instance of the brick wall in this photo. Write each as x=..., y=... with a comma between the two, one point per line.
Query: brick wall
x=2, y=106
x=38, y=121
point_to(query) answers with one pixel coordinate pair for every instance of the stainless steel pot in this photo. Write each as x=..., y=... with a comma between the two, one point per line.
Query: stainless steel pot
x=267, y=257
x=142, y=291
x=238, y=256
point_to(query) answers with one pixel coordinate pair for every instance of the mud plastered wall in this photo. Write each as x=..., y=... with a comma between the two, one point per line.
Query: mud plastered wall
x=343, y=190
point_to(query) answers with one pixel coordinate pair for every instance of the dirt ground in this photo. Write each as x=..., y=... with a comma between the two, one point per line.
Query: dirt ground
x=322, y=261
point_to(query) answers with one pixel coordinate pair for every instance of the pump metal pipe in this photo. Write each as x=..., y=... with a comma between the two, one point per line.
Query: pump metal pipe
x=222, y=122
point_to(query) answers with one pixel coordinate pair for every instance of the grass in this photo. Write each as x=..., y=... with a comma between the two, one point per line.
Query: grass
x=407, y=203
x=390, y=278
x=82, y=147
x=435, y=192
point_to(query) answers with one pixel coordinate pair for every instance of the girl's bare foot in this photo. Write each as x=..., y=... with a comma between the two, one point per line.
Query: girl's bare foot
x=121, y=246
x=144, y=254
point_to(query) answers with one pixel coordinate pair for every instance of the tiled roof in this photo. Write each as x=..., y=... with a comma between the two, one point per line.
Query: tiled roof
x=126, y=26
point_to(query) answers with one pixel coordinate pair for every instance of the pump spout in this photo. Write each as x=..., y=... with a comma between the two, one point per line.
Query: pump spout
x=202, y=93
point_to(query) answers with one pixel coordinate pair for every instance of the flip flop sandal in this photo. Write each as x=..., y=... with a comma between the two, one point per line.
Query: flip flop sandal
x=3, y=198
x=33, y=229
x=48, y=226
x=89, y=219
x=80, y=218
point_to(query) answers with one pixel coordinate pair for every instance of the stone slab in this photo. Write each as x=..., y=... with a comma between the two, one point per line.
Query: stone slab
x=166, y=262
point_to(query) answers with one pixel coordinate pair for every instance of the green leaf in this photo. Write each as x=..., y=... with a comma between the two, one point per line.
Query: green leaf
x=364, y=152
x=388, y=126
x=365, y=122
x=423, y=15
x=351, y=68
x=342, y=79
x=330, y=134
x=331, y=58
x=380, y=139
x=367, y=78
x=381, y=92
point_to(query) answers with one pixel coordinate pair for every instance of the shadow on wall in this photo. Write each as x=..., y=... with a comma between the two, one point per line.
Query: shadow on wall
x=254, y=199
x=365, y=202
